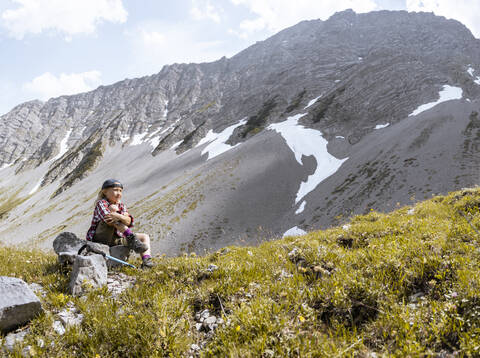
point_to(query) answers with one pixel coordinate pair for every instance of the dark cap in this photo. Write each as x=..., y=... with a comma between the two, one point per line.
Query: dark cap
x=112, y=183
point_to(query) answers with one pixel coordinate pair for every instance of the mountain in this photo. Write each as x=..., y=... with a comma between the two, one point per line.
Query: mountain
x=322, y=120
x=403, y=284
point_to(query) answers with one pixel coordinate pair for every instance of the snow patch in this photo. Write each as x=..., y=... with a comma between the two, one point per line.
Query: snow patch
x=176, y=145
x=138, y=138
x=165, y=112
x=63, y=146
x=217, y=141
x=154, y=142
x=360, y=58
x=171, y=126
x=36, y=187
x=470, y=71
x=313, y=101
x=380, y=126
x=301, y=208
x=294, y=231
x=446, y=94
x=124, y=138
x=340, y=137
x=305, y=141
x=4, y=166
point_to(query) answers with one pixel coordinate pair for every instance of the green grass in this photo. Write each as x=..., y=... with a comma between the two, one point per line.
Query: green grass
x=9, y=202
x=402, y=284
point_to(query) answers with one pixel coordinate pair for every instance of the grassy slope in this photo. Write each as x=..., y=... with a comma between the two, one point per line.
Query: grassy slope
x=345, y=292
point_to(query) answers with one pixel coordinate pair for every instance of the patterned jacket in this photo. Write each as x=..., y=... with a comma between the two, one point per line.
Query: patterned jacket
x=99, y=213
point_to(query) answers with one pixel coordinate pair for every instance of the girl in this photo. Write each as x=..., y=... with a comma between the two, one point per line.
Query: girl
x=111, y=223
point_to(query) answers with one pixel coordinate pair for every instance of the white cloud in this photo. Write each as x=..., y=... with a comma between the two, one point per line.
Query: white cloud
x=152, y=38
x=465, y=11
x=47, y=85
x=204, y=11
x=273, y=16
x=69, y=17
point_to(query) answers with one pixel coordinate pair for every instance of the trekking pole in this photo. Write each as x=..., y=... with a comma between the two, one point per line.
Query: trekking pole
x=96, y=251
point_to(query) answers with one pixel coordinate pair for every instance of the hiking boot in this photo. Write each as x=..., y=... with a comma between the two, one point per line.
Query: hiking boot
x=135, y=244
x=147, y=262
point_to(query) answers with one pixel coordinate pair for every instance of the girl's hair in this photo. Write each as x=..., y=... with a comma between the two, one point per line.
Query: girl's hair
x=100, y=196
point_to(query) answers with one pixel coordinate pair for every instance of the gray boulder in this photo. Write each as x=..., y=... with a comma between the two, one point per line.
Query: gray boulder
x=18, y=303
x=66, y=258
x=119, y=252
x=67, y=244
x=87, y=271
x=12, y=339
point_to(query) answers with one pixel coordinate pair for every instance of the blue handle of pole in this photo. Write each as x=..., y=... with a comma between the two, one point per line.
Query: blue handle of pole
x=119, y=261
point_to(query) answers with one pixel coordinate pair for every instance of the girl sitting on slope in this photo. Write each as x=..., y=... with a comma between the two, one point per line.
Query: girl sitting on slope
x=111, y=223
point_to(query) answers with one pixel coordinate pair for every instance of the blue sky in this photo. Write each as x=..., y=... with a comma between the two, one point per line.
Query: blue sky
x=55, y=47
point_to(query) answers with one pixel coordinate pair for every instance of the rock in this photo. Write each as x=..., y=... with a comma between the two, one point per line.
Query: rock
x=198, y=326
x=18, y=303
x=210, y=320
x=204, y=314
x=212, y=268
x=268, y=353
x=13, y=338
x=415, y=297
x=70, y=317
x=292, y=255
x=91, y=270
x=37, y=289
x=118, y=282
x=195, y=347
x=285, y=274
x=58, y=328
x=120, y=252
x=67, y=244
x=66, y=258
x=27, y=352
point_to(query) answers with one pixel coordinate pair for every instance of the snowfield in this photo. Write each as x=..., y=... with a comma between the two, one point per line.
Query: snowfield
x=446, y=94
x=216, y=141
x=305, y=141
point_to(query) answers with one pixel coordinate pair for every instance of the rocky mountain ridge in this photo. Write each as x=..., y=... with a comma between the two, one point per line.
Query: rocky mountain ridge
x=342, y=78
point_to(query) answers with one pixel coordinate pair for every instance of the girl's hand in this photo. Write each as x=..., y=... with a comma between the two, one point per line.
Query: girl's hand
x=111, y=218
x=113, y=207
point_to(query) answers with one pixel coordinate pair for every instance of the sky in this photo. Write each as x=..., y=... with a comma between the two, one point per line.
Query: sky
x=55, y=47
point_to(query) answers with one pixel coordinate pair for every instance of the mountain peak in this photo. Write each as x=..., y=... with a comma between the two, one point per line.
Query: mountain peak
x=309, y=125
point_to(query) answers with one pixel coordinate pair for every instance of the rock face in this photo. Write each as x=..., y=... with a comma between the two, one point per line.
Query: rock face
x=209, y=165
x=87, y=271
x=18, y=304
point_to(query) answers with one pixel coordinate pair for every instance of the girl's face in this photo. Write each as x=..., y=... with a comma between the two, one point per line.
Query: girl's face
x=113, y=194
